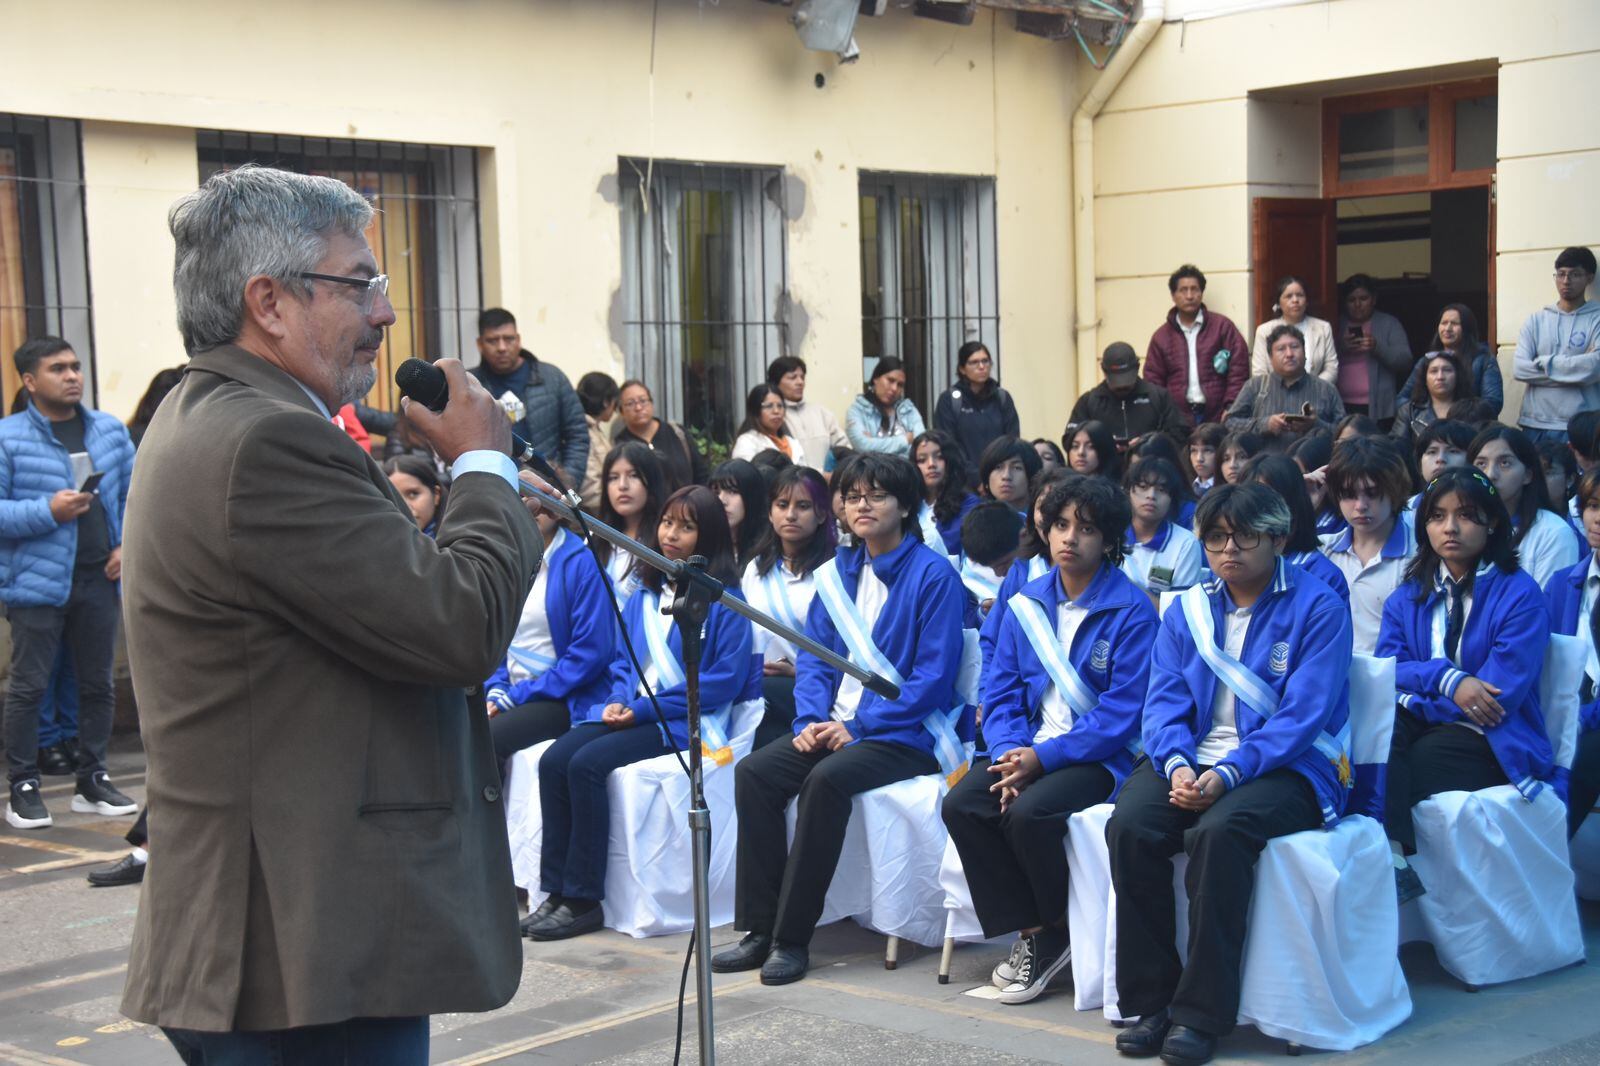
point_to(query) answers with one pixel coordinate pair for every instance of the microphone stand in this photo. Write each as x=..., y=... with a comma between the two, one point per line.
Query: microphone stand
x=695, y=592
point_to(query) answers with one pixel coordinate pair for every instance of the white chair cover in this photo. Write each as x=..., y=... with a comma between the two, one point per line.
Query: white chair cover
x=1585, y=850
x=1317, y=969
x=961, y=920
x=650, y=870
x=1500, y=903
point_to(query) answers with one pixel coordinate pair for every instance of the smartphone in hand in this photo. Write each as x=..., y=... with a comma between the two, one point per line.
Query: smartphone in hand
x=92, y=482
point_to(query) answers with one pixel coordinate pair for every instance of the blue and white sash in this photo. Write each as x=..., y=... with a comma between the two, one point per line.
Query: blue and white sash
x=980, y=580
x=669, y=674
x=775, y=591
x=1245, y=685
x=930, y=531
x=953, y=755
x=1079, y=697
x=531, y=661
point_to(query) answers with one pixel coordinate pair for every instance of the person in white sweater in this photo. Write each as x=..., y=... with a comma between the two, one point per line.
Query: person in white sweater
x=763, y=428
x=822, y=439
x=1291, y=304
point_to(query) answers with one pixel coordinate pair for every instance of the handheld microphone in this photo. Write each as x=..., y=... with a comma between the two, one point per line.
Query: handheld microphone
x=427, y=385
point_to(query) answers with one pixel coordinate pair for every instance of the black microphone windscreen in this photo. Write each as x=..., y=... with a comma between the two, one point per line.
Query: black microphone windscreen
x=424, y=383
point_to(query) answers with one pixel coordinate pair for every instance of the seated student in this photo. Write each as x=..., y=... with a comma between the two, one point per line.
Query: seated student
x=1368, y=481
x=1161, y=446
x=891, y=604
x=633, y=484
x=1032, y=562
x=1475, y=413
x=1202, y=457
x=1158, y=555
x=1572, y=598
x=841, y=521
x=1583, y=439
x=1237, y=449
x=1008, y=465
x=1311, y=454
x=556, y=668
x=1049, y=454
x=630, y=725
x=945, y=497
x=1354, y=426
x=1091, y=449
x=990, y=540
x=417, y=481
x=1062, y=702
x=768, y=463
x=1248, y=694
x=1559, y=467
x=1438, y=447
x=1301, y=547
x=1467, y=632
x=1545, y=541
x=778, y=580
x=743, y=492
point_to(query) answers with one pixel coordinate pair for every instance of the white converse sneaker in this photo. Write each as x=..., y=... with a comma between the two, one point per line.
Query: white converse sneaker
x=1005, y=973
x=1049, y=955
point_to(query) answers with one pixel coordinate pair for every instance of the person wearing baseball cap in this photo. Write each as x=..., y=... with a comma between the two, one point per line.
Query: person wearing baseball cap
x=1128, y=404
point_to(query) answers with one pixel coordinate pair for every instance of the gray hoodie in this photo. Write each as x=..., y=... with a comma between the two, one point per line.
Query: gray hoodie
x=1558, y=360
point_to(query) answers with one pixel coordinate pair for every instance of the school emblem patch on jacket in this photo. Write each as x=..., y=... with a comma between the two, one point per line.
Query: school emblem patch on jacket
x=1279, y=661
x=1100, y=655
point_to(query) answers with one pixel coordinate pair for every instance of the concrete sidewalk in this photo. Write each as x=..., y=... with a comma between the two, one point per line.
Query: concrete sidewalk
x=610, y=999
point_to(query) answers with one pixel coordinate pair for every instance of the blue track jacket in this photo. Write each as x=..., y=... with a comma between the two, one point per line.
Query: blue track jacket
x=577, y=603
x=950, y=532
x=1299, y=643
x=1564, y=599
x=1110, y=652
x=1320, y=566
x=1503, y=644
x=729, y=672
x=1022, y=572
x=919, y=632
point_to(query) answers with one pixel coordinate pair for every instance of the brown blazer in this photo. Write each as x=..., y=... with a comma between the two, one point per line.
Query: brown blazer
x=329, y=839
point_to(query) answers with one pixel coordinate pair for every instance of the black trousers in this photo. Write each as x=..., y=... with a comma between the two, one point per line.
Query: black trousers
x=1223, y=844
x=1584, y=789
x=779, y=890
x=139, y=835
x=1426, y=759
x=390, y=1041
x=1015, y=862
x=778, y=721
x=525, y=725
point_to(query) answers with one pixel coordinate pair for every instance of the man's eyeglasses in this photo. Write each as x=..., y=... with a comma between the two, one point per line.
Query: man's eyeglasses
x=1570, y=275
x=1244, y=539
x=371, y=287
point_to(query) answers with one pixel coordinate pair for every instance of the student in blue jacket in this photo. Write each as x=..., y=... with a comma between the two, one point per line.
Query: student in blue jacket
x=558, y=664
x=1246, y=729
x=1467, y=632
x=627, y=725
x=946, y=497
x=1032, y=562
x=1062, y=703
x=1303, y=547
x=891, y=604
x=1572, y=598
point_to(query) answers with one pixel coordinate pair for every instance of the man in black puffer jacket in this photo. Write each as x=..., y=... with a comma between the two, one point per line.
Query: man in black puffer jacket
x=1129, y=406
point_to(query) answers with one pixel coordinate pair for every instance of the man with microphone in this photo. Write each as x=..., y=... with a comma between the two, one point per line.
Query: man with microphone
x=331, y=863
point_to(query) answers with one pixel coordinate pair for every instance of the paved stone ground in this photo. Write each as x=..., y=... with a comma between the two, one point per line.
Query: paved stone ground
x=611, y=1000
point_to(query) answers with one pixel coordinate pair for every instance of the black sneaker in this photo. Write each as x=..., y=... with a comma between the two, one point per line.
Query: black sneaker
x=1006, y=972
x=96, y=795
x=26, y=809
x=1049, y=956
x=57, y=761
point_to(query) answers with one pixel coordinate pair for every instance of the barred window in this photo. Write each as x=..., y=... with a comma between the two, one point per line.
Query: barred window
x=929, y=280
x=704, y=278
x=425, y=235
x=44, y=260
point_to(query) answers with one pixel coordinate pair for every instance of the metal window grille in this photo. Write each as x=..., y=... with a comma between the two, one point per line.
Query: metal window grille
x=929, y=279
x=704, y=278
x=44, y=256
x=425, y=235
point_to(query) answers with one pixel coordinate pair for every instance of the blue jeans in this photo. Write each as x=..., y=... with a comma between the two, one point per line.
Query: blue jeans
x=1538, y=436
x=576, y=807
x=357, y=1042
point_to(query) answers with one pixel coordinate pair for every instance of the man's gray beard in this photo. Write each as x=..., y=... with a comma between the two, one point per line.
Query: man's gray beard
x=355, y=381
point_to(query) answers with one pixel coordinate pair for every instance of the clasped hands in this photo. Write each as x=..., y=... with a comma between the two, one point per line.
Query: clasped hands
x=822, y=736
x=1193, y=793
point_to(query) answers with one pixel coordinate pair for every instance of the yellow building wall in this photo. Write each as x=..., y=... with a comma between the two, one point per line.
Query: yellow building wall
x=1219, y=111
x=554, y=92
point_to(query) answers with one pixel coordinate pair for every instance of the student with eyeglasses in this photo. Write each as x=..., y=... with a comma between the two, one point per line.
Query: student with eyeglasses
x=1558, y=351
x=763, y=428
x=1245, y=727
x=893, y=605
x=1467, y=632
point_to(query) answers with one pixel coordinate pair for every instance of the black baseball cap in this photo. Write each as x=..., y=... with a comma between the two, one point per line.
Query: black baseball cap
x=1120, y=364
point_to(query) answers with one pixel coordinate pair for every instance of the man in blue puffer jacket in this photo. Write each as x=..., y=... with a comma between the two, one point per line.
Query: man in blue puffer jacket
x=60, y=560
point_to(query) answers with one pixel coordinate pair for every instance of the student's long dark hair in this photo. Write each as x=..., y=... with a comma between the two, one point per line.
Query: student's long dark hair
x=1282, y=475
x=957, y=473
x=1476, y=492
x=1160, y=472
x=1032, y=541
x=741, y=477
x=752, y=411
x=1105, y=446
x=1156, y=445
x=1207, y=435
x=789, y=481
x=1534, y=498
x=417, y=467
x=698, y=504
x=654, y=476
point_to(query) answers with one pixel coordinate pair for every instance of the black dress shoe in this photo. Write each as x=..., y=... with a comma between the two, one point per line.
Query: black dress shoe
x=55, y=761
x=1188, y=1047
x=747, y=954
x=540, y=913
x=786, y=964
x=129, y=871
x=1145, y=1037
x=566, y=921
